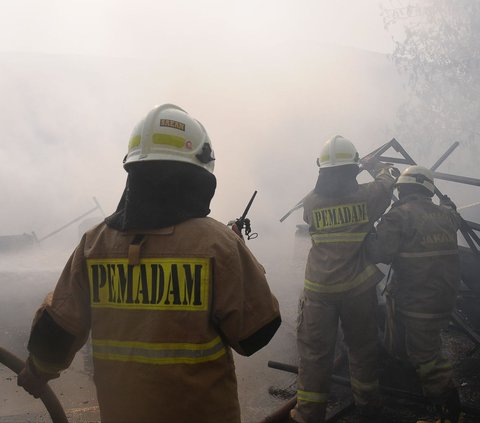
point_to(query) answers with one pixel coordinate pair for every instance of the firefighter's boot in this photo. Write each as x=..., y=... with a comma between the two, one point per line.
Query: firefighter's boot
x=450, y=408
x=447, y=410
x=312, y=413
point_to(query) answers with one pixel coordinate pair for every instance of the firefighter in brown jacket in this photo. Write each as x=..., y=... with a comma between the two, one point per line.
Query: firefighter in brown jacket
x=419, y=239
x=340, y=281
x=165, y=290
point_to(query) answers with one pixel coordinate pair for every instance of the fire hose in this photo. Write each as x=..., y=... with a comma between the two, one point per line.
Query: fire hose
x=282, y=413
x=51, y=402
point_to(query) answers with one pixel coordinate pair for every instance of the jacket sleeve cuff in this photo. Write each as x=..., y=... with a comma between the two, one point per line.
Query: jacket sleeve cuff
x=42, y=369
x=260, y=338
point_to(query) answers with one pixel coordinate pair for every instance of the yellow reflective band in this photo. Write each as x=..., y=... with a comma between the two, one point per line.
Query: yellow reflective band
x=338, y=237
x=429, y=254
x=134, y=142
x=364, y=387
x=307, y=396
x=158, y=353
x=417, y=315
x=432, y=366
x=45, y=367
x=170, y=140
x=339, y=155
x=340, y=216
x=159, y=284
x=341, y=287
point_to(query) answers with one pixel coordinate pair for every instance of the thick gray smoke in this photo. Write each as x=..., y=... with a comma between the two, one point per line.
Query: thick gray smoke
x=268, y=108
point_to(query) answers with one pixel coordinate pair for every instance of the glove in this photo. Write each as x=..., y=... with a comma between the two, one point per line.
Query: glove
x=381, y=167
x=445, y=201
x=395, y=172
x=34, y=381
x=236, y=230
x=368, y=165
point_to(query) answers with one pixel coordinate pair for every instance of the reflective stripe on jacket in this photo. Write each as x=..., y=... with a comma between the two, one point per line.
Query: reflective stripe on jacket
x=338, y=227
x=419, y=238
x=163, y=313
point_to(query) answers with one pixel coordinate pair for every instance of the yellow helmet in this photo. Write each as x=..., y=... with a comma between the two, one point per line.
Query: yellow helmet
x=337, y=151
x=170, y=133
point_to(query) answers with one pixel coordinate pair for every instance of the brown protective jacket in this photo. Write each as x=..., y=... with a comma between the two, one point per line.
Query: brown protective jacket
x=419, y=238
x=338, y=226
x=164, y=310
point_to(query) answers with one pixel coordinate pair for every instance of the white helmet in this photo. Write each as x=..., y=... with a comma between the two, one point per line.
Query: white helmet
x=170, y=133
x=337, y=151
x=417, y=175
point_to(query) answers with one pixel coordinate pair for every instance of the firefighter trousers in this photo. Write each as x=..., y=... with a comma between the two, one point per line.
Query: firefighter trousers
x=317, y=327
x=418, y=341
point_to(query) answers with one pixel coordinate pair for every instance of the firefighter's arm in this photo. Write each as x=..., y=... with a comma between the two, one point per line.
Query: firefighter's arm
x=33, y=380
x=385, y=241
x=260, y=338
x=446, y=201
x=455, y=217
x=376, y=168
x=51, y=349
x=380, y=191
x=51, y=346
x=245, y=312
x=59, y=329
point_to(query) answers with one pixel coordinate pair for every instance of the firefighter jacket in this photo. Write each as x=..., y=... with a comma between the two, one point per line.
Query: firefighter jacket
x=164, y=309
x=419, y=238
x=338, y=225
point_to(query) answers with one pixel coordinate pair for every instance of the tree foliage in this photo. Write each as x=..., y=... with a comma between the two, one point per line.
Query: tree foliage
x=439, y=52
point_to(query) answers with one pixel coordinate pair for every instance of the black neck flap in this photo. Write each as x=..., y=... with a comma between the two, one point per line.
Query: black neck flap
x=162, y=193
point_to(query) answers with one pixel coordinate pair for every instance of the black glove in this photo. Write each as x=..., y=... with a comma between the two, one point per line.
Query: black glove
x=34, y=381
x=394, y=172
x=445, y=201
x=368, y=165
x=236, y=229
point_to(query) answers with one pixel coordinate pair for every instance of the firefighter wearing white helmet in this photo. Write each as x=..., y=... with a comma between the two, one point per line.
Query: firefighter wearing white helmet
x=339, y=281
x=337, y=151
x=418, y=176
x=419, y=239
x=170, y=133
x=165, y=291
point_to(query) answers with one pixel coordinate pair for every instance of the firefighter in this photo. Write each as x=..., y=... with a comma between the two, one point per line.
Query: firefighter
x=166, y=291
x=419, y=239
x=340, y=283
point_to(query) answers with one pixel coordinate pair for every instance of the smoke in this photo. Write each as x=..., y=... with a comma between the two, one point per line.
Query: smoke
x=68, y=118
x=66, y=121
x=260, y=77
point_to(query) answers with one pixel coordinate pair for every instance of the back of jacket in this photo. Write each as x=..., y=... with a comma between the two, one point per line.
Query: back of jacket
x=338, y=226
x=419, y=238
x=164, y=309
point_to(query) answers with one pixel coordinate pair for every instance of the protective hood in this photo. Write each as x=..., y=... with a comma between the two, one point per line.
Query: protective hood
x=337, y=181
x=161, y=194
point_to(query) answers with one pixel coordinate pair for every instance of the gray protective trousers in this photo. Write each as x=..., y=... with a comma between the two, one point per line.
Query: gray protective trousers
x=418, y=341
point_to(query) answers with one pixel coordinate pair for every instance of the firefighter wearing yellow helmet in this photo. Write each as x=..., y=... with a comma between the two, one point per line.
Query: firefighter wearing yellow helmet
x=165, y=290
x=419, y=239
x=340, y=281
